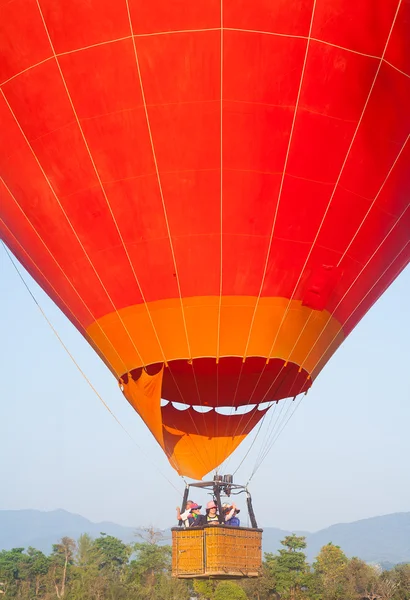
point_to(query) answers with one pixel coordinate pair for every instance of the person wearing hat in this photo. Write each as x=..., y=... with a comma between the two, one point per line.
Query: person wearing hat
x=212, y=517
x=184, y=517
x=230, y=511
x=191, y=517
x=196, y=519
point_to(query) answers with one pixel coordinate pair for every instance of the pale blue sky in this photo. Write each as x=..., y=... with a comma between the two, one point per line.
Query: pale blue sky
x=343, y=456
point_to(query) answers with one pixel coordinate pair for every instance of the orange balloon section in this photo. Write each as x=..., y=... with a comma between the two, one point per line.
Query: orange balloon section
x=213, y=191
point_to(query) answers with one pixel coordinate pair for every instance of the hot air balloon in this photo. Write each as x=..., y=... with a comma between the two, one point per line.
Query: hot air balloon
x=213, y=192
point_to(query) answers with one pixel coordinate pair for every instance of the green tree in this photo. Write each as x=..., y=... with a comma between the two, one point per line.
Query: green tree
x=85, y=548
x=169, y=588
x=262, y=587
x=101, y=568
x=205, y=588
x=387, y=587
x=37, y=566
x=360, y=580
x=110, y=553
x=229, y=590
x=330, y=571
x=401, y=576
x=11, y=570
x=62, y=558
x=149, y=573
x=289, y=569
x=88, y=583
x=151, y=559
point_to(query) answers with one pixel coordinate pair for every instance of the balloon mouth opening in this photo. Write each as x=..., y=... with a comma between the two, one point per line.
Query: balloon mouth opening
x=229, y=386
x=242, y=409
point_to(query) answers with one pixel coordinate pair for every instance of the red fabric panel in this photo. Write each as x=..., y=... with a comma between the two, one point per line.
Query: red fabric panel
x=263, y=15
x=258, y=136
x=29, y=96
x=157, y=15
x=110, y=138
x=361, y=26
x=270, y=68
x=320, y=286
x=196, y=237
x=23, y=39
x=322, y=159
x=75, y=24
x=398, y=49
x=297, y=220
x=190, y=136
x=193, y=80
x=329, y=72
x=112, y=79
x=382, y=132
x=394, y=195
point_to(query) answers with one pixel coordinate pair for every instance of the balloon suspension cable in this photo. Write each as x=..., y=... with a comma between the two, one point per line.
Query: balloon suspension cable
x=281, y=427
x=81, y=371
x=274, y=422
x=251, y=445
x=273, y=426
x=269, y=429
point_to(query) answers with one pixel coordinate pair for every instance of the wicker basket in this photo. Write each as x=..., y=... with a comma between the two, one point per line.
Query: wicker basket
x=216, y=551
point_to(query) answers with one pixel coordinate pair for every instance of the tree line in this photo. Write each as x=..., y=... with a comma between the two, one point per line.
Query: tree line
x=106, y=568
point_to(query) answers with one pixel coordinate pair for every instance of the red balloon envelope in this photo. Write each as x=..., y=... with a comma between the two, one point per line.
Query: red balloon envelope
x=214, y=192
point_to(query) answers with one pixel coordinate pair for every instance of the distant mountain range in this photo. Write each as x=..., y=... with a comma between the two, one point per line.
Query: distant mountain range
x=382, y=540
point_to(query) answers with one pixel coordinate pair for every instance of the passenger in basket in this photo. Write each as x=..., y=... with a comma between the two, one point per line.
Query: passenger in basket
x=230, y=511
x=212, y=518
x=186, y=515
x=196, y=519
